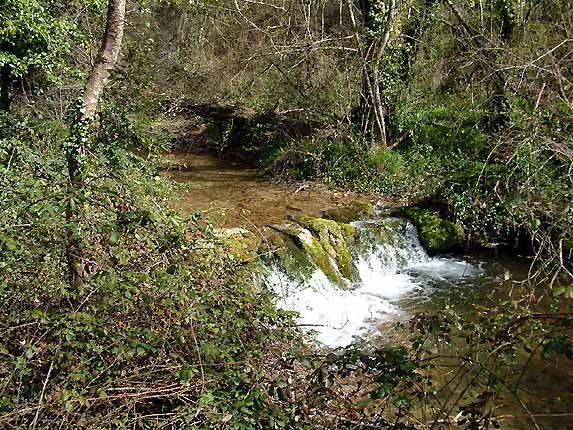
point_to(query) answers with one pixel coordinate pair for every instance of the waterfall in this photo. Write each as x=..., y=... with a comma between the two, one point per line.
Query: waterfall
x=390, y=268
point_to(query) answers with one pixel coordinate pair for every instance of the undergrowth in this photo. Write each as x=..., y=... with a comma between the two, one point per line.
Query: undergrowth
x=166, y=331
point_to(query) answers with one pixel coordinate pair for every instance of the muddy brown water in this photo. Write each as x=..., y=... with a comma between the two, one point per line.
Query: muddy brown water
x=233, y=195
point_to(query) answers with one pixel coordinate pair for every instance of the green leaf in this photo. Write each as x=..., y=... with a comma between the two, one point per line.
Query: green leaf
x=114, y=237
x=535, y=224
x=10, y=244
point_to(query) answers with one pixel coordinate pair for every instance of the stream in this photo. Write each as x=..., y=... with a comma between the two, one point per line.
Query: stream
x=393, y=278
x=396, y=278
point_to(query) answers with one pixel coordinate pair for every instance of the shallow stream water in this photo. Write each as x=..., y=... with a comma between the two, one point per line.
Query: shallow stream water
x=233, y=195
x=396, y=279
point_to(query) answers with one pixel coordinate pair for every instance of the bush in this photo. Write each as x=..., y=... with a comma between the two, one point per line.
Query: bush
x=159, y=332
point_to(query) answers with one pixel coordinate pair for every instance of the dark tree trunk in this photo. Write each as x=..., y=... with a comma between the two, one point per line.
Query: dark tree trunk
x=74, y=151
x=498, y=104
x=5, y=84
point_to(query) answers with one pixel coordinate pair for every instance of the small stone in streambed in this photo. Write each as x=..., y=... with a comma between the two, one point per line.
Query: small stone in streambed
x=293, y=208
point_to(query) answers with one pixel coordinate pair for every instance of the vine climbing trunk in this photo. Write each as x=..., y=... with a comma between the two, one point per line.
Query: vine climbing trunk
x=79, y=134
x=380, y=109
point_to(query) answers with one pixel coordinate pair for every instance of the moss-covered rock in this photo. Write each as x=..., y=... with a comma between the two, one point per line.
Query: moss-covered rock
x=313, y=246
x=342, y=214
x=333, y=239
x=349, y=232
x=294, y=260
x=363, y=206
x=435, y=234
x=373, y=233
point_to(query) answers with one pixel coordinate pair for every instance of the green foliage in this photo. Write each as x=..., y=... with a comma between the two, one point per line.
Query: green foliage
x=35, y=37
x=338, y=159
x=375, y=19
x=158, y=332
x=131, y=129
x=167, y=330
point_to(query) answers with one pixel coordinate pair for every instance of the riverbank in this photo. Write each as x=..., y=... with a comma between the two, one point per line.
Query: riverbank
x=167, y=329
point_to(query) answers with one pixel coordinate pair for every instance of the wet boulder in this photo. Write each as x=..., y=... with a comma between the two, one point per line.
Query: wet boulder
x=435, y=234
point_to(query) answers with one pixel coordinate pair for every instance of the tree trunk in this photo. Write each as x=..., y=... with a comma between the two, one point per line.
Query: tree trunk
x=107, y=56
x=373, y=109
x=5, y=83
x=488, y=58
x=106, y=60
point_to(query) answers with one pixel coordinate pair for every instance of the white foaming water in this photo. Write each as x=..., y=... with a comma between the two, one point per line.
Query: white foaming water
x=391, y=266
x=336, y=315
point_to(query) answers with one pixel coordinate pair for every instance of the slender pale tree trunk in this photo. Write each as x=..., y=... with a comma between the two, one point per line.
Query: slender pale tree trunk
x=379, y=108
x=372, y=108
x=107, y=56
x=106, y=60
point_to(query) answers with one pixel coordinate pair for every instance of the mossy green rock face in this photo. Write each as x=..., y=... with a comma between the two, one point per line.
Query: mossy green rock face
x=332, y=236
x=295, y=261
x=323, y=241
x=305, y=240
x=435, y=234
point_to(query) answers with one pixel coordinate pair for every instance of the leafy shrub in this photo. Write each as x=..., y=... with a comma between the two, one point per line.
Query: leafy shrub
x=164, y=329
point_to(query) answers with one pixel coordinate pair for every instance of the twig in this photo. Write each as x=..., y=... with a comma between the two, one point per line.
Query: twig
x=42, y=396
x=539, y=97
x=563, y=414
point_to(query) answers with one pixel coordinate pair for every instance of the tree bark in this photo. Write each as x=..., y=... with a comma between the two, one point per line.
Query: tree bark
x=107, y=56
x=372, y=107
x=378, y=104
x=79, y=130
x=5, y=83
